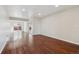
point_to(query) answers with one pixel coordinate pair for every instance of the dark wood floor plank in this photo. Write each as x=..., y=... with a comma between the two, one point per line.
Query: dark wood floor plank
x=44, y=45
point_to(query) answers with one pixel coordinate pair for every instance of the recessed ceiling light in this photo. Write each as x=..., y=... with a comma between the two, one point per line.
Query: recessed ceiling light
x=39, y=14
x=56, y=5
x=23, y=9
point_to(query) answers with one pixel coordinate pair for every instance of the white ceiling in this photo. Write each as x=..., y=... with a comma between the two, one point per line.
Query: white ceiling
x=25, y=11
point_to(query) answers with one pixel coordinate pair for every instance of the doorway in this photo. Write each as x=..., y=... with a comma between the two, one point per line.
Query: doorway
x=19, y=34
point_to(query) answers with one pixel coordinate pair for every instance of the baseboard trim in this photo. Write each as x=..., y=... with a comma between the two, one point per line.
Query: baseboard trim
x=61, y=39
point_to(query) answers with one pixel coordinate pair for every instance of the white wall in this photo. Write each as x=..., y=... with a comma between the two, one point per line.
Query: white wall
x=64, y=25
x=36, y=26
x=4, y=23
x=4, y=27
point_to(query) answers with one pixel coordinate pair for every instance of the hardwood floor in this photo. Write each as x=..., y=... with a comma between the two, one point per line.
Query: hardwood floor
x=43, y=45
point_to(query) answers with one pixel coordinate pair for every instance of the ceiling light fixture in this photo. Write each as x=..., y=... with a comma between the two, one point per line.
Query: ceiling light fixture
x=23, y=9
x=56, y=5
x=39, y=14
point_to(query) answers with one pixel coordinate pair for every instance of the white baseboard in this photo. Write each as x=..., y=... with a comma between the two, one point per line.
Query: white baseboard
x=64, y=40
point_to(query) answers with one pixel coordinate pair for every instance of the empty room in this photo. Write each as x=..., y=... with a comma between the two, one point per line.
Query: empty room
x=39, y=29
